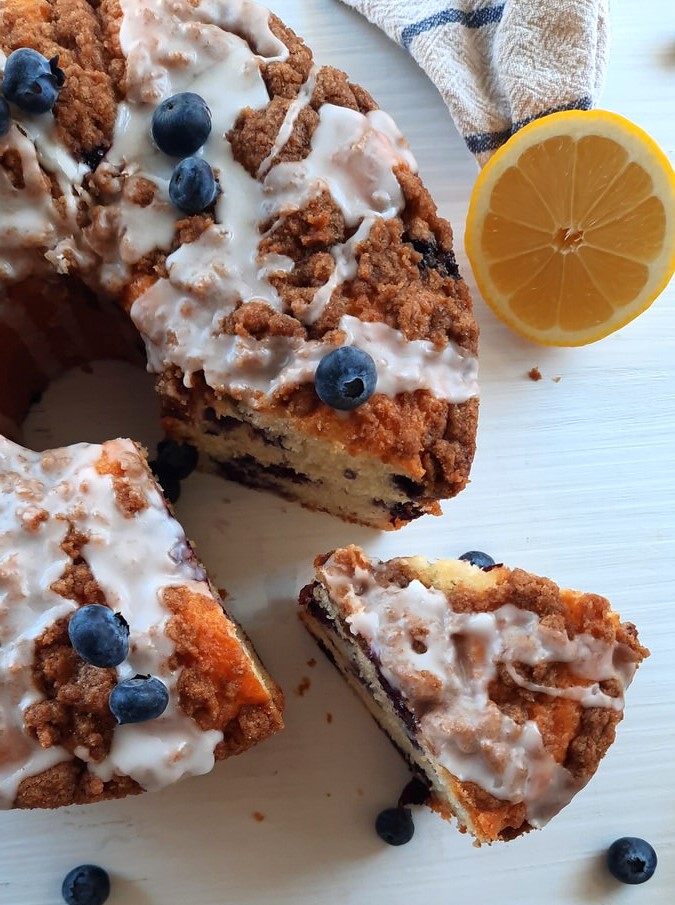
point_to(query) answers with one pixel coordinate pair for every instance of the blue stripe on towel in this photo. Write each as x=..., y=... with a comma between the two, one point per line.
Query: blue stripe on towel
x=481, y=142
x=473, y=19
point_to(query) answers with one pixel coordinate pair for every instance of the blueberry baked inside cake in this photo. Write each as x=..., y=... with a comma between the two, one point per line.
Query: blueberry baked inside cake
x=258, y=217
x=501, y=690
x=120, y=671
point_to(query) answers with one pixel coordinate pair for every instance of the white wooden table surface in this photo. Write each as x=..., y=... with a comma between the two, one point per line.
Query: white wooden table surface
x=574, y=479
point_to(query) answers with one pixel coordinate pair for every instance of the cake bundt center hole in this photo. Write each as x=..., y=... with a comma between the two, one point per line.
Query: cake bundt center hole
x=108, y=396
x=354, y=388
x=568, y=239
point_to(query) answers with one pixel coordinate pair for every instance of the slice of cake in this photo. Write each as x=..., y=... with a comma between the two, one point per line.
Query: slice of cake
x=502, y=690
x=119, y=669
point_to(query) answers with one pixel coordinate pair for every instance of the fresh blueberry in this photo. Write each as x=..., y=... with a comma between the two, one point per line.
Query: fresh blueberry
x=139, y=699
x=345, y=378
x=181, y=124
x=395, y=826
x=476, y=558
x=31, y=81
x=193, y=186
x=5, y=117
x=631, y=860
x=99, y=636
x=86, y=885
x=168, y=481
x=178, y=458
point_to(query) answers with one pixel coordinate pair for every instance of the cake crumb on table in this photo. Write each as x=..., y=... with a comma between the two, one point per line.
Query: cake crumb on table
x=556, y=379
x=259, y=816
x=311, y=662
x=329, y=717
x=304, y=686
x=534, y=374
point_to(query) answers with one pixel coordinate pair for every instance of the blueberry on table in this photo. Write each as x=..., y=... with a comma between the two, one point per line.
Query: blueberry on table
x=193, y=186
x=5, y=117
x=168, y=481
x=395, y=826
x=479, y=559
x=181, y=124
x=180, y=459
x=86, y=885
x=631, y=860
x=99, y=636
x=31, y=81
x=345, y=378
x=138, y=700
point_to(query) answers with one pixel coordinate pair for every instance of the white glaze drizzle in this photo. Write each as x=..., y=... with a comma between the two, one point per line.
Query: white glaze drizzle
x=448, y=682
x=346, y=268
x=65, y=485
x=353, y=157
x=173, y=46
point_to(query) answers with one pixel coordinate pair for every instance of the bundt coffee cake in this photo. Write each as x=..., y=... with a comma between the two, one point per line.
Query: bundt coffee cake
x=254, y=213
x=119, y=669
x=502, y=691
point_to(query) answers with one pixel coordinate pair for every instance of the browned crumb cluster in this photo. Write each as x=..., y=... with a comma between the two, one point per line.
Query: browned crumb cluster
x=407, y=275
x=534, y=374
x=406, y=278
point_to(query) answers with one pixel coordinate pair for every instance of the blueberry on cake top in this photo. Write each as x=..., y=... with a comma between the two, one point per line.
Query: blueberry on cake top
x=119, y=669
x=502, y=690
x=253, y=212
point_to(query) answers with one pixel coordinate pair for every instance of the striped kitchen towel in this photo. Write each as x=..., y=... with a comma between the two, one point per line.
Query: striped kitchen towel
x=500, y=65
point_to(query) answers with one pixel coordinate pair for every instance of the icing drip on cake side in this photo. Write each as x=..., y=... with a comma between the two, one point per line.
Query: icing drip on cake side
x=466, y=731
x=42, y=494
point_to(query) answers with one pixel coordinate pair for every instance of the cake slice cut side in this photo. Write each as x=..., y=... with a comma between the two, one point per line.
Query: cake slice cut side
x=87, y=527
x=500, y=689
